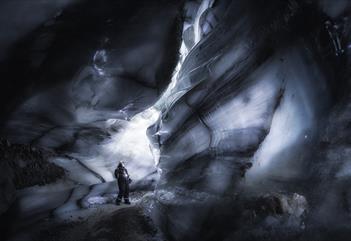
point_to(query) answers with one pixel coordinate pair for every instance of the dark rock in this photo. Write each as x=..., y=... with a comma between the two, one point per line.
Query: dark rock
x=29, y=165
x=7, y=186
x=266, y=205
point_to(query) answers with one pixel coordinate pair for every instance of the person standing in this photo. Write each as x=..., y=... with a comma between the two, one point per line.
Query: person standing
x=123, y=181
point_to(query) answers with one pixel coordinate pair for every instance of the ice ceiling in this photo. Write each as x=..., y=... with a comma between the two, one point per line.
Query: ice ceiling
x=106, y=123
x=98, y=98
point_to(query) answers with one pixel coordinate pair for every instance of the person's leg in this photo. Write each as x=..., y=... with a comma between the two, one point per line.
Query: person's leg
x=126, y=193
x=120, y=192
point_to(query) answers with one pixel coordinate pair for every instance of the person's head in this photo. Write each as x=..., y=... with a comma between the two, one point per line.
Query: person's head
x=120, y=164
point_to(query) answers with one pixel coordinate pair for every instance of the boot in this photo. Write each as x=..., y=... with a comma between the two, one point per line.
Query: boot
x=126, y=201
x=118, y=202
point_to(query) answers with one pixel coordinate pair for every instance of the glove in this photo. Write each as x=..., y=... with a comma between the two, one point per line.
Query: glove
x=129, y=180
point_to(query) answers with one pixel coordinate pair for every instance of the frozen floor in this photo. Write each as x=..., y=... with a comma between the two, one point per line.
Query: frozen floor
x=71, y=212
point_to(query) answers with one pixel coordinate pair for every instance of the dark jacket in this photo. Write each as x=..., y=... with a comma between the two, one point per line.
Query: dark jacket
x=121, y=173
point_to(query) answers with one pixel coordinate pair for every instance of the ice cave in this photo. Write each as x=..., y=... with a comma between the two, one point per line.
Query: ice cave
x=227, y=119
